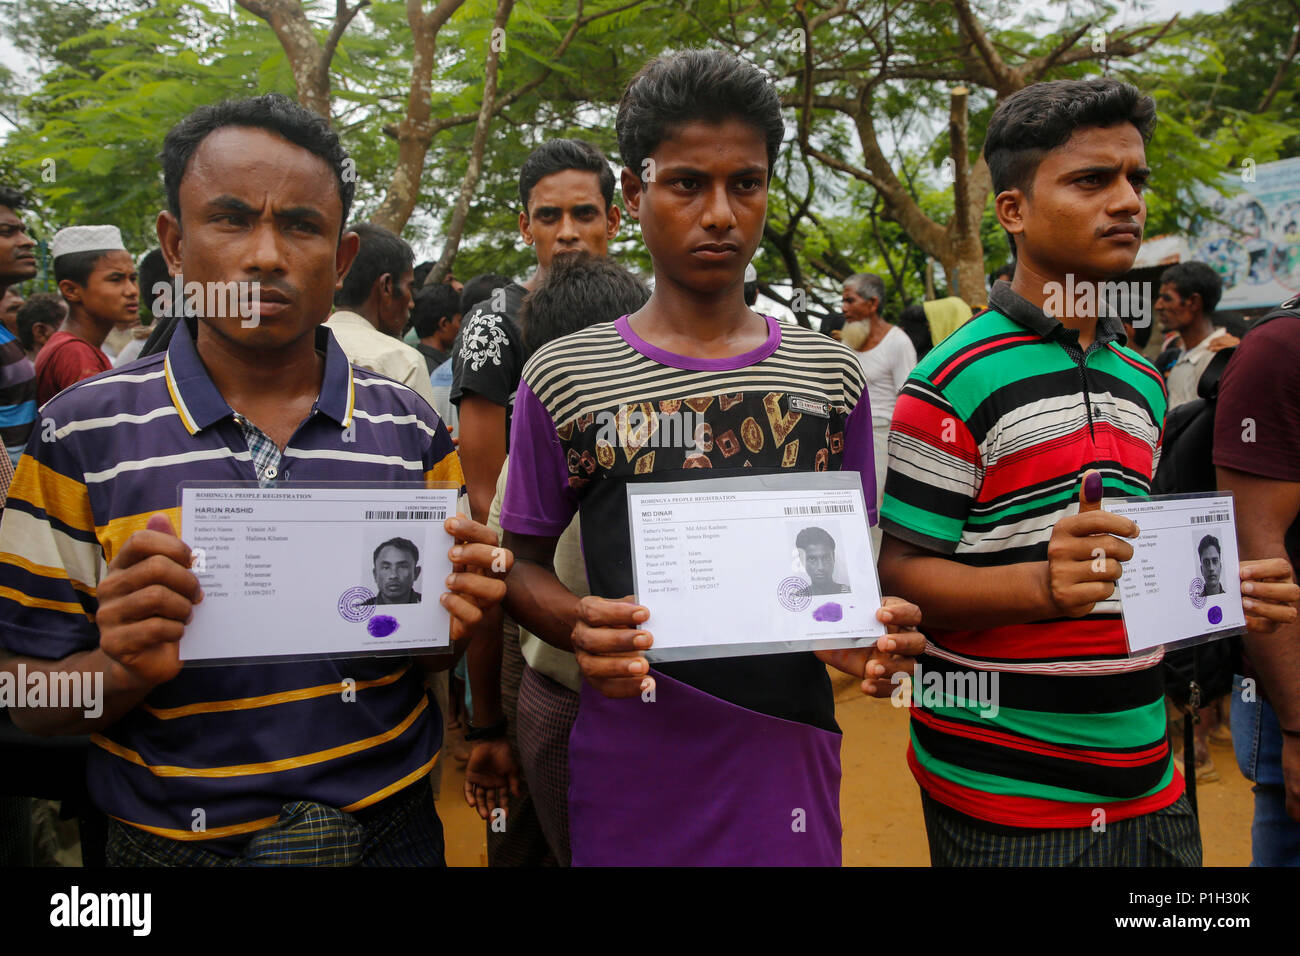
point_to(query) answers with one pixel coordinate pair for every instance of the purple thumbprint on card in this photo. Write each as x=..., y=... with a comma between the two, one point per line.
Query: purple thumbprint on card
x=830, y=611
x=1215, y=615
x=381, y=625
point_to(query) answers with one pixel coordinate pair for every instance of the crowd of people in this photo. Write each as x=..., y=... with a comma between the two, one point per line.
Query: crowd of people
x=986, y=443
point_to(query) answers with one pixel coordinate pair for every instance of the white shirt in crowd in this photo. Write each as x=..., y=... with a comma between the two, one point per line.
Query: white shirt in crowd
x=1186, y=372
x=366, y=346
x=885, y=368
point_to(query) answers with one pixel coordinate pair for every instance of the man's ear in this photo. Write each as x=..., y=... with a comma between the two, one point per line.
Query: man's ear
x=344, y=256
x=613, y=216
x=526, y=228
x=70, y=290
x=1009, y=205
x=632, y=187
x=171, y=241
x=416, y=576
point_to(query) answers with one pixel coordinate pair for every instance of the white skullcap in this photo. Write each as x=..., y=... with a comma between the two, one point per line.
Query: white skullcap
x=751, y=274
x=86, y=239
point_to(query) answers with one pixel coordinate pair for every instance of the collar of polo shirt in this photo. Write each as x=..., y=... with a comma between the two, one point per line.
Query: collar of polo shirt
x=1018, y=309
x=200, y=404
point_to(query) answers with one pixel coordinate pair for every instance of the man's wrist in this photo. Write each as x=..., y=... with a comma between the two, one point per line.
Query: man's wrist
x=493, y=731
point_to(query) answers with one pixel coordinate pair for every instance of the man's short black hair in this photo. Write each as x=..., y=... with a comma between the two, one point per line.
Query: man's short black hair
x=77, y=266
x=1191, y=278
x=273, y=112
x=422, y=271
x=814, y=535
x=1032, y=122
x=43, y=307
x=557, y=155
x=578, y=291
x=1206, y=542
x=12, y=198
x=1007, y=270
x=433, y=303
x=381, y=253
x=913, y=321
x=153, y=270
x=480, y=288
x=708, y=85
x=402, y=544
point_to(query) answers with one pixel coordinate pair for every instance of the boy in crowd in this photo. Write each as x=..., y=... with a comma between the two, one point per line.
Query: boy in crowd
x=566, y=195
x=1189, y=291
x=709, y=772
x=579, y=291
x=17, y=375
x=375, y=304
x=436, y=318
x=97, y=279
x=38, y=319
x=990, y=438
x=285, y=765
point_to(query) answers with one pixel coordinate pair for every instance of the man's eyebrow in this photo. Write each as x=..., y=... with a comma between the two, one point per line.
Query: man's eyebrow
x=1109, y=170
x=703, y=174
x=300, y=212
x=232, y=203
x=235, y=204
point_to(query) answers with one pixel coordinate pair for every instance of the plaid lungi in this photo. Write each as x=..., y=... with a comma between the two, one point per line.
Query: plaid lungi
x=403, y=830
x=522, y=842
x=1166, y=838
x=547, y=711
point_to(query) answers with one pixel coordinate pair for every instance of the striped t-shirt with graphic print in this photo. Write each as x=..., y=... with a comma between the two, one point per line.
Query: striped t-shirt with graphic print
x=990, y=436
x=711, y=771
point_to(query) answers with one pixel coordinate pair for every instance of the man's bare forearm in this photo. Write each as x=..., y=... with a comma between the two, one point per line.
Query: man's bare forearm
x=1276, y=656
x=1265, y=508
x=955, y=596
x=538, y=601
x=107, y=693
x=483, y=663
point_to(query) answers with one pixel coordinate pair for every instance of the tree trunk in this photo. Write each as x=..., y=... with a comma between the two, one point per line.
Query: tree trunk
x=415, y=131
x=442, y=267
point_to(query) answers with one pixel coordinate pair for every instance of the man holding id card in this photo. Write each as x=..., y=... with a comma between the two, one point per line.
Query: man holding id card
x=1004, y=441
x=730, y=760
x=305, y=761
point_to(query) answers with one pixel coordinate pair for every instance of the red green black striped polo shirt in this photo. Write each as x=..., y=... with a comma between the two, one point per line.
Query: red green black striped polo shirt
x=989, y=438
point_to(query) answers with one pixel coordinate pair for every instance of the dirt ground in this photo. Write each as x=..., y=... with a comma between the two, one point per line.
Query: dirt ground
x=879, y=800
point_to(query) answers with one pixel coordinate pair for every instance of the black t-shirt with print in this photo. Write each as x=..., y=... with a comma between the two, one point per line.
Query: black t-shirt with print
x=488, y=356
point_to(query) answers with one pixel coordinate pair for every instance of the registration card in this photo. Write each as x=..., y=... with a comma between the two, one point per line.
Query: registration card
x=754, y=565
x=1182, y=585
x=296, y=572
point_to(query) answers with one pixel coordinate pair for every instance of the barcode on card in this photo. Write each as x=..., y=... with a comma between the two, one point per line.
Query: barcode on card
x=1215, y=518
x=434, y=515
x=818, y=509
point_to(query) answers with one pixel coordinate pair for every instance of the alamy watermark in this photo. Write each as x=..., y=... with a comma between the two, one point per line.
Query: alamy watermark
x=647, y=427
x=212, y=300
x=72, y=690
x=1083, y=298
x=976, y=690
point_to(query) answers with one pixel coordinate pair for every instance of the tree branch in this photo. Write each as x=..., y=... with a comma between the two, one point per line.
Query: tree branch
x=1282, y=67
x=475, y=168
